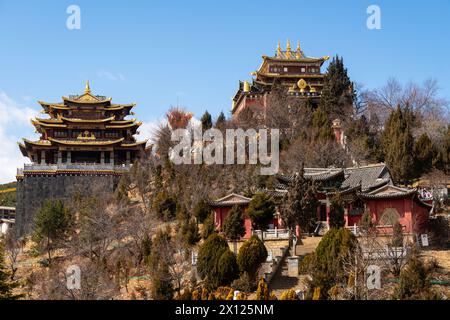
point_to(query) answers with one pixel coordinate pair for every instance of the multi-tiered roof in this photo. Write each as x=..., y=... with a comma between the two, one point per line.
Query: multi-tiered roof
x=84, y=128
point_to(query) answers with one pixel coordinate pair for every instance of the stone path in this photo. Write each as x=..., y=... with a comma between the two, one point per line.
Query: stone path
x=282, y=281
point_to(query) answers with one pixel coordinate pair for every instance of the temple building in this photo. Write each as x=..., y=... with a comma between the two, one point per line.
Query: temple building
x=84, y=129
x=85, y=142
x=299, y=74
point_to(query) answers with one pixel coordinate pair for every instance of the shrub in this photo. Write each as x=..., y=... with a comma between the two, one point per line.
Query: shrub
x=414, y=282
x=334, y=249
x=261, y=210
x=216, y=264
x=262, y=292
x=251, y=254
x=243, y=283
x=289, y=295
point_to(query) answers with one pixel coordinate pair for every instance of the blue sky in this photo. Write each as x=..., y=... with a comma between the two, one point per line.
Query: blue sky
x=156, y=53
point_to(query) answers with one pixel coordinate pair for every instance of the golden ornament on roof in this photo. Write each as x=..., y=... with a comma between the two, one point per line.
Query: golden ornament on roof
x=278, y=49
x=246, y=86
x=87, y=89
x=302, y=84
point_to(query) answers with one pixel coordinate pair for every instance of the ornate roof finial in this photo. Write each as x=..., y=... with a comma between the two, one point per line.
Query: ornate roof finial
x=278, y=49
x=298, y=51
x=87, y=89
x=288, y=46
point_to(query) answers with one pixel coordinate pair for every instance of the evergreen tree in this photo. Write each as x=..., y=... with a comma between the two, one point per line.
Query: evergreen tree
x=398, y=144
x=261, y=210
x=335, y=248
x=6, y=284
x=424, y=154
x=208, y=227
x=206, y=121
x=300, y=206
x=251, y=254
x=337, y=219
x=233, y=226
x=321, y=126
x=337, y=94
x=220, y=120
x=52, y=225
x=211, y=254
x=202, y=211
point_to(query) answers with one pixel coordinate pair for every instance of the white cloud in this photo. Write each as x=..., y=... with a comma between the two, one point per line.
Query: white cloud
x=14, y=123
x=105, y=74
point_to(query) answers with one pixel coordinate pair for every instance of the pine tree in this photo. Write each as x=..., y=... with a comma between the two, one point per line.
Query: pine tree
x=337, y=94
x=261, y=210
x=220, y=120
x=202, y=210
x=6, y=284
x=301, y=204
x=206, y=121
x=52, y=225
x=337, y=219
x=233, y=226
x=398, y=144
x=424, y=154
x=321, y=127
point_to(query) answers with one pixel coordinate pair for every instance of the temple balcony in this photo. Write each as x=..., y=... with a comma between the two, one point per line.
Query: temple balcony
x=73, y=167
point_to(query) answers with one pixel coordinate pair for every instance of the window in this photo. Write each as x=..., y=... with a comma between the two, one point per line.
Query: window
x=285, y=69
x=60, y=134
x=303, y=69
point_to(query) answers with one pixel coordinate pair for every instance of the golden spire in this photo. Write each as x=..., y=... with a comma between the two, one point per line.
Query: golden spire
x=246, y=86
x=278, y=49
x=87, y=89
x=288, y=46
x=298, y=53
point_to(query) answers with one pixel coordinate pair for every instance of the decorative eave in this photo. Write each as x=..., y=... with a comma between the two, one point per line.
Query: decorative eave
x=230, y=200
x=297, y=75
x=135, y=144
x=124, y=126
x=87, y=121
x=86, y=142
x=39, y=143
x=388, y=192
x=60, y=106
x=286, y=56
x=38, y=123
x=114, y=107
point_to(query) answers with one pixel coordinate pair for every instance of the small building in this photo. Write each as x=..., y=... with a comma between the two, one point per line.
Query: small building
x=365, y=189
x=390, y=204
x=223, y=206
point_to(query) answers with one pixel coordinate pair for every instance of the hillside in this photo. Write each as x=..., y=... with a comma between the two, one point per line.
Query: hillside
x=8, y=194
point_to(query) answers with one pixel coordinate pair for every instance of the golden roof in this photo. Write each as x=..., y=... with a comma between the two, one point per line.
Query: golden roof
x=41, y=143
x=47, y=125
